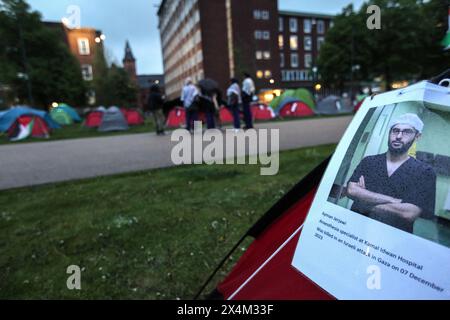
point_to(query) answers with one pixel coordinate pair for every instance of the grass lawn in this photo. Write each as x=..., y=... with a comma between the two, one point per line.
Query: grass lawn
x=148, y=235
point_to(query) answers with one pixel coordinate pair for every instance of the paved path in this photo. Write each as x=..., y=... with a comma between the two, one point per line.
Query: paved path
x=45, y=162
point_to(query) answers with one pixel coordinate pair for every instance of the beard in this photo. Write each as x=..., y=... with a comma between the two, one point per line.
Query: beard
x=399, y=151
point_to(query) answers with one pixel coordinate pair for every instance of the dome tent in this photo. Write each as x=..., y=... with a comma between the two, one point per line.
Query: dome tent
x=61, y=116
x=299, y=94
x=333, y=105
x=113, y=120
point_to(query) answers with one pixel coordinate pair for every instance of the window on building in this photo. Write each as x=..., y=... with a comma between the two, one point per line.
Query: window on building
x=86, y=71
x=266, y=35
x=83, y=46
x=308, y=60
x=259, y=74
x=281, y=41
x=307, y=26
x=320, y=27
x=307, y=44
x=267, y=74
x=91, y=97
x=294, y=60
x=266, y=55
x=320, y=41
x=293, y=26
x=293, y=42
x=257, y=14
x=265, y=15
x=281, y=60
x=331, y=24
x=258, y=34
x=280, y=24
x=259, y=55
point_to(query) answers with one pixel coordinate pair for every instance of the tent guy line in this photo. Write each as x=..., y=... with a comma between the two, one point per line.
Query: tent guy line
x=265, y=263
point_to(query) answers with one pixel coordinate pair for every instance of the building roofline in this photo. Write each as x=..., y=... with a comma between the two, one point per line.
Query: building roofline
x=305, y=14
x=161, y=5
x=48, y=22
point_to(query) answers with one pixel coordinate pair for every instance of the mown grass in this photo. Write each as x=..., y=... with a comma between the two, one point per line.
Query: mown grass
x=148, y=235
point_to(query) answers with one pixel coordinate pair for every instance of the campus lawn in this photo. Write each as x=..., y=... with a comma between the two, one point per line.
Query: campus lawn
x=149, y=235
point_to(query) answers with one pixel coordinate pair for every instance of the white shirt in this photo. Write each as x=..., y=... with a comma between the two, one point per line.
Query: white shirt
x=188, y=95
x=234, y=89
x=248, y=86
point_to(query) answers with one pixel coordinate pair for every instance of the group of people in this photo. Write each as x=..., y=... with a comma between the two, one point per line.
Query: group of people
x=196, y=98
x=207, y=98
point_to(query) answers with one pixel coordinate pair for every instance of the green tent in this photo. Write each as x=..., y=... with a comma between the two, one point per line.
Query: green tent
x=61, y=116
x=300, y=94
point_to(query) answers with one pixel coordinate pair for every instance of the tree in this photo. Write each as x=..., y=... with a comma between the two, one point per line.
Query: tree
x=406, y=47
x=34, y=62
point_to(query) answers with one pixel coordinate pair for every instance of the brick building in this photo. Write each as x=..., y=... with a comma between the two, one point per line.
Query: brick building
x=85, y=44
x=220, y=39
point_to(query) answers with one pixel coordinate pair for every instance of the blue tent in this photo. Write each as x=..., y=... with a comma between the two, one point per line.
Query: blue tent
x=7, y=118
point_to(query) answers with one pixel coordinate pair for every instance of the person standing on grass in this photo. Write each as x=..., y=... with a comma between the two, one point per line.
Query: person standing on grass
x=248, y=90
x=189, y=95
x=234, y=101
x=155, y=106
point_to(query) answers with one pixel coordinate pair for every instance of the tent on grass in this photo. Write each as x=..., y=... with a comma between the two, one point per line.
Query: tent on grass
x=294, y=108
x=61, y=116
x=113, y=120
x=176, y=118
x=133, y=117
x=298, y=94
x=22, y=122
x=94, y=119
x=70, y=111
x=261, y=111
x=334, y=105
x=264, y=272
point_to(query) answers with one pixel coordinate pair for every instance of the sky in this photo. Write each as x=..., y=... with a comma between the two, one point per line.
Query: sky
x=137, y=22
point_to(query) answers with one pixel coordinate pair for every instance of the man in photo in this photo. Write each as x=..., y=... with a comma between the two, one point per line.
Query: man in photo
x=395, y=188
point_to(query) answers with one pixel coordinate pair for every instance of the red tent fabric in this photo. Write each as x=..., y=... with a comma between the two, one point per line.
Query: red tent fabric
x=262, y=112
x=94, y=119
x=265, y=272
x=225, y=115
x=296, y=109
x=134, y=118
x=176, y=118
x=40, y=128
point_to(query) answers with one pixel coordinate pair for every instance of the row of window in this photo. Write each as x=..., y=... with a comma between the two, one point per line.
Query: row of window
x=295, y=60
x=293, y=42
x=262, y=35
x=83, y=46
x=296, y=75
x=262, y=55
x=307, y=25
x=261, y=15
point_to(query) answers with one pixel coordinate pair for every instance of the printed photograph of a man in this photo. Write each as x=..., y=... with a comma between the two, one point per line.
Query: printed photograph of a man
x=393, y=187
x=396, y=170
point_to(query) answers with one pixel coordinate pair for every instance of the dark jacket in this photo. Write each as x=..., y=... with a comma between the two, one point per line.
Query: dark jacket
x=155, y=101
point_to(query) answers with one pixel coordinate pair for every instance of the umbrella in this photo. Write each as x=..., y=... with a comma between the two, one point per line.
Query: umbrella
x=208, y=86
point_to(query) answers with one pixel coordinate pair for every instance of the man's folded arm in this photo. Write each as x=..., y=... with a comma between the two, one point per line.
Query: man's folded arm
x=356, y=192
x=406, y=211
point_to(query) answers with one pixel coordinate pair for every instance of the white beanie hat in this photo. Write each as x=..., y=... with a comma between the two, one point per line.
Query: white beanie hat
x=410, y=119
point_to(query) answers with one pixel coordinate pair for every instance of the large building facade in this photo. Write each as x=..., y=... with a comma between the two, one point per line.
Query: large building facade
x=220, y=39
